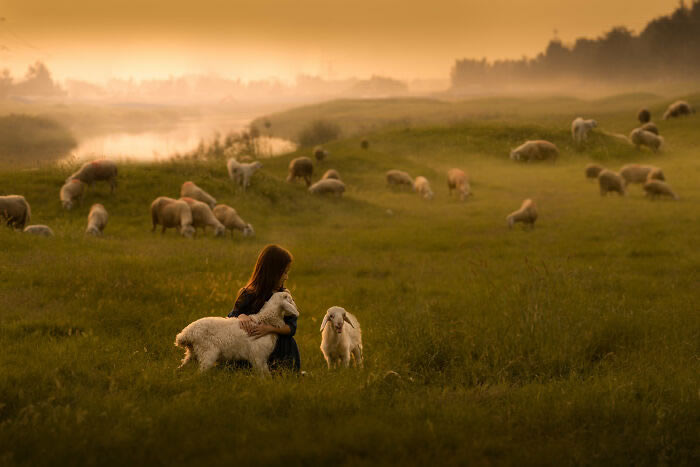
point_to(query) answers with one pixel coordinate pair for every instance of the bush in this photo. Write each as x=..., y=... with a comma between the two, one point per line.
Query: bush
x=319, y=132
x=26, y=137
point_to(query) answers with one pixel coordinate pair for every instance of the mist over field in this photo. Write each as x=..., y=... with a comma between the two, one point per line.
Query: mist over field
x=504, y=194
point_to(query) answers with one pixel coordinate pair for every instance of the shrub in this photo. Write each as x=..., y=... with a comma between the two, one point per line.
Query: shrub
x=319, y=132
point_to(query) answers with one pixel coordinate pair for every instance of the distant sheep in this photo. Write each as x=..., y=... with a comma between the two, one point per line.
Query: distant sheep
x=593, y=170
x=640, y=137
x=97, y=220
x=331, y=173
x=635, y=173
x=15, y=210
x=202, y=216
x=339, y=342
x=241, y=173
x=580, y=129
x=319, y=153
x=535, y=151
x=364, y=144
x=398, y=178
x=171, y=213
x=527, y=214
x=651, y=128
x=657, y=188
x=39, y=230
x=301, y=167
x=329, y=186
x=457, y=180
x=215, y=339
x=232, y=221
x=97, y=171
x=611, y=181
x=421, y=185
x=644, y=116
x=190, y=190
x=678, y=109
x=71, y=193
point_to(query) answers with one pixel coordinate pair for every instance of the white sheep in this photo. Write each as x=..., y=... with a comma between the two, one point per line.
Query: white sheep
x=170, y=213
x=301, y=167
x=338, y=342
x=329, y=186
x=215, y=339
x=580, y=129
x=593, y=170
x=535, y=151
x=40, y=230
x=331, y=173
x=190, y=190
x=678, y=109
x=398, y=178
x=527, y=214
x=71, y=192
x=319, y=153
x=15, y=210
x=95, y=171
x=241, y=173
x=457, y=180
x=635, y=173
x=611, y=181
x=232, y=221
x=421, y=185
x=97, y=220
x=202, y=216
x=640, y=137
x=657, y=188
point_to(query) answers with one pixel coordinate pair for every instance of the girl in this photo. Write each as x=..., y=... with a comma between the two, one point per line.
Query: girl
x=269, y=276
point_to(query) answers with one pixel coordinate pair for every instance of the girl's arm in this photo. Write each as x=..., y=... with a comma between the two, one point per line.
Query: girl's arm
x=265, y=329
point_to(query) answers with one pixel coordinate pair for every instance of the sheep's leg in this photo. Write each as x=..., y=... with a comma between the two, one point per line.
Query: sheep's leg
x=345, y=359
x=260, y=366
x=357, y=353
x=329, y=362
x=207, y=359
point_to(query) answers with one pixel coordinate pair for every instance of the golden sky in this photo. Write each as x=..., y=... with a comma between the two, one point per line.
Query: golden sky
x=99, y=39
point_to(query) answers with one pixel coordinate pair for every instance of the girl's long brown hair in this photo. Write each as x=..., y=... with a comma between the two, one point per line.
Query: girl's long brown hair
x=271, y=264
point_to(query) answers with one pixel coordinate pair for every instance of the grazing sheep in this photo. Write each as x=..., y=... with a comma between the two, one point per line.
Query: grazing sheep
x=527, y=214
x=580, y=129
x=535, y=151
x=422, y=186
x=214, y=339
x=336, y=343
x=319, y=153
x=15, y=210
x=611, y=181
x=640, y=137
x=39, y=230
x=364, y=144
x=331, y=173
x=190, y=190
x=97, y=171
x=231, y=220
x=398, y=178
x=202, y=216
x=301, y=167
x=97, y=220
x=651, y=128
x=635, y=173
x=457, y=180
x=241, y=173
x=71, y=192
x=657, y=188
x=592, y=170
x=329, y=186
x=678, y=109
x=644, y=116
x=171, y=213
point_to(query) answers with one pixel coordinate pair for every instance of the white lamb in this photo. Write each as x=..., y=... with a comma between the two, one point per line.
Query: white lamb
x=241, y=173
x=97, y=220
x=336, y=344
x=421, y=185
x=215, y=339
x=580, y=129
x=527, y=214
x=190, y=190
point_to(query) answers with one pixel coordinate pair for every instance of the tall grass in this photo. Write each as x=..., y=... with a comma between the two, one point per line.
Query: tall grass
x=574, y=343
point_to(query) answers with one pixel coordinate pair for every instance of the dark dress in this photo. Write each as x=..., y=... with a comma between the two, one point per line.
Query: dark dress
x=286, y=353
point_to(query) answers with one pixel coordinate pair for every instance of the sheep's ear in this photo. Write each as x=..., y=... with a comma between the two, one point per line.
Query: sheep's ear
x=347, y=320
x=325, y=320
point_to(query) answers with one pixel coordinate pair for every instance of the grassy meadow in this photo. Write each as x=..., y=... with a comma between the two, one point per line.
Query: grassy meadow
x=575, y=343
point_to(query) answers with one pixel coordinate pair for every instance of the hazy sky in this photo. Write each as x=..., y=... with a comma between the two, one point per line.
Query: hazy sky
x=99, y=39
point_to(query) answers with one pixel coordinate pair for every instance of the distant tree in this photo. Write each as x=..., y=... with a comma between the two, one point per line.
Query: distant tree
x=38, y=82
x=319, y=132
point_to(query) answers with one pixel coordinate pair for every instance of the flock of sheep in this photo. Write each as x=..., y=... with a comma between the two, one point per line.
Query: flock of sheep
x=212, y=339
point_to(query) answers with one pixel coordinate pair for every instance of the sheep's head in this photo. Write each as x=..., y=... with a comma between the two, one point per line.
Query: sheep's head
x=514, y=155
x=67, y=204
x=187, y=231
x=248, y=231
x=337, y=316
x=285, y=301
x=594, y=124
x=219, y=231
x=257, y=165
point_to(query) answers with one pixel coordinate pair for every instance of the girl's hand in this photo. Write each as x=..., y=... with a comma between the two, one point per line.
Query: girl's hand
x=246, y=324
x=260, y=331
